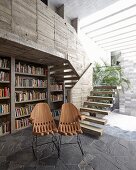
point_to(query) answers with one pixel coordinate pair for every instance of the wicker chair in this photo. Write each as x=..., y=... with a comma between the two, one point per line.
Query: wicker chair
x=69, y=124
x=43, y=124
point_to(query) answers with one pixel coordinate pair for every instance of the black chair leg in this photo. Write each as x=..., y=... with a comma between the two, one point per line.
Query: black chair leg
x=59, y=142
x=54, y=140
x=34, y=146
x=80, y=144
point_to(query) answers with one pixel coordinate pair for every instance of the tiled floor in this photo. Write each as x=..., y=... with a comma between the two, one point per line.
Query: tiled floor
x=115, y=150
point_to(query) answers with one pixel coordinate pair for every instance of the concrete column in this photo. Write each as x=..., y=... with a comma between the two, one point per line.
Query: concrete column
x=45, y=1
x=74, y=23
x=60, y=11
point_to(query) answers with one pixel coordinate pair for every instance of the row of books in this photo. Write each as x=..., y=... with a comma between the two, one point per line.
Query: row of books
x=56, y=97
x=4, y=108
x=4, y=92
x=56, y=87
x=4, y=63
x=20, y=123
x=29, y=95
x=29, y=82
x=4, y=76
x=22, y=111
x=26, y=68
x=55, y=113
x=4, y=127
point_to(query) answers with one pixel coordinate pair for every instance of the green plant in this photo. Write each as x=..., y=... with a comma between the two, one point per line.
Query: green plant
x=110, y=75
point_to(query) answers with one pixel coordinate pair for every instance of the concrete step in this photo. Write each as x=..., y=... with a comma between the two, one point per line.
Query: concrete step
x=102, y=92
x=70, y=78
x=94, y=119
x=90, y=110
x=69, y=73
x=105, y=87
x=98, y=104
x=91, y=129
x=70, y=83
x=60, y=68
x=98, y=98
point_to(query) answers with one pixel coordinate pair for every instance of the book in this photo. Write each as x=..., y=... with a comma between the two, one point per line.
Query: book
x=4, y=63
x=29, y=82
x=4, y=127
x=24, y=111
x=4, y=108
x=29, y=95
x=56, y=112
x=4, y=92
x=20, y=123
x=4, y=76
x=56, y=97
x=30, y=69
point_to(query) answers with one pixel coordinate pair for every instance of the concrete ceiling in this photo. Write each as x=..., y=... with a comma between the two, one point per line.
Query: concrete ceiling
x=81, y=8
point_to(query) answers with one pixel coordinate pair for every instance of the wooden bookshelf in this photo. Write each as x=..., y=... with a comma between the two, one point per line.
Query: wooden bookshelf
x=5, y=113
x=16, y=130
x=3, y=68
x=17, y=117
x=30, y=101
x=30, y=88
x=28, y=74
x=52, y=91
x=32, y=83
x=56, y=96
x=4, y=98
x=57, y=101
x=5, y=82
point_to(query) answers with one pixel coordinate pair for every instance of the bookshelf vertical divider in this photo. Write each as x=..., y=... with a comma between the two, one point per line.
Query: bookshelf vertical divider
x=12, y=94
x=48, y=87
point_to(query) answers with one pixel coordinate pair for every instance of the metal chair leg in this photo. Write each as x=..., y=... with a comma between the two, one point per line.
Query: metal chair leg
x=80, y=144
x=54, y=139
x=34, y=146
x=60, y=138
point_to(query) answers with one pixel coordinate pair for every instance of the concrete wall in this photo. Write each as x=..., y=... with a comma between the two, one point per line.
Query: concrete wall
x=128, y=98
x=32, y=22
x=82, y=88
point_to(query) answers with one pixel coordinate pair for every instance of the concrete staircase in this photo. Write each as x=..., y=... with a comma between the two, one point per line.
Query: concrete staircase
x=65, y=73
x=98, y=104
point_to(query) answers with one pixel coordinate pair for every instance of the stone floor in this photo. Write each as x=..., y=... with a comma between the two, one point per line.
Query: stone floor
x=115, y=150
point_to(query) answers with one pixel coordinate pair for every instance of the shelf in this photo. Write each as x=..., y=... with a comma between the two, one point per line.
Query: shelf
x=28, y=74
x=29, y=101
x=7, y=133
x=22, y=116
x=4, y=81
x=56, y=91
x=31, y=87
x=22, y=128
x=2, y=68
x=4, y=114
x=3, y=98
x=57, y=101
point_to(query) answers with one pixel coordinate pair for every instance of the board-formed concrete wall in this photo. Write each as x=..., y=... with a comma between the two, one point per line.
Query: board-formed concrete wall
x=32, y=20
x=128, y=98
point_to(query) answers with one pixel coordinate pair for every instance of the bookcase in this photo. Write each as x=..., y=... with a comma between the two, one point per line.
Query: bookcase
x=57, y=96
x=4, y=95
x=23, y=84
x=30, y=88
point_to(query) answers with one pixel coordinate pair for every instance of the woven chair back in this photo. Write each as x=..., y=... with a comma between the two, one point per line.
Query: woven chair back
x=42, y=120
x=69, y=120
